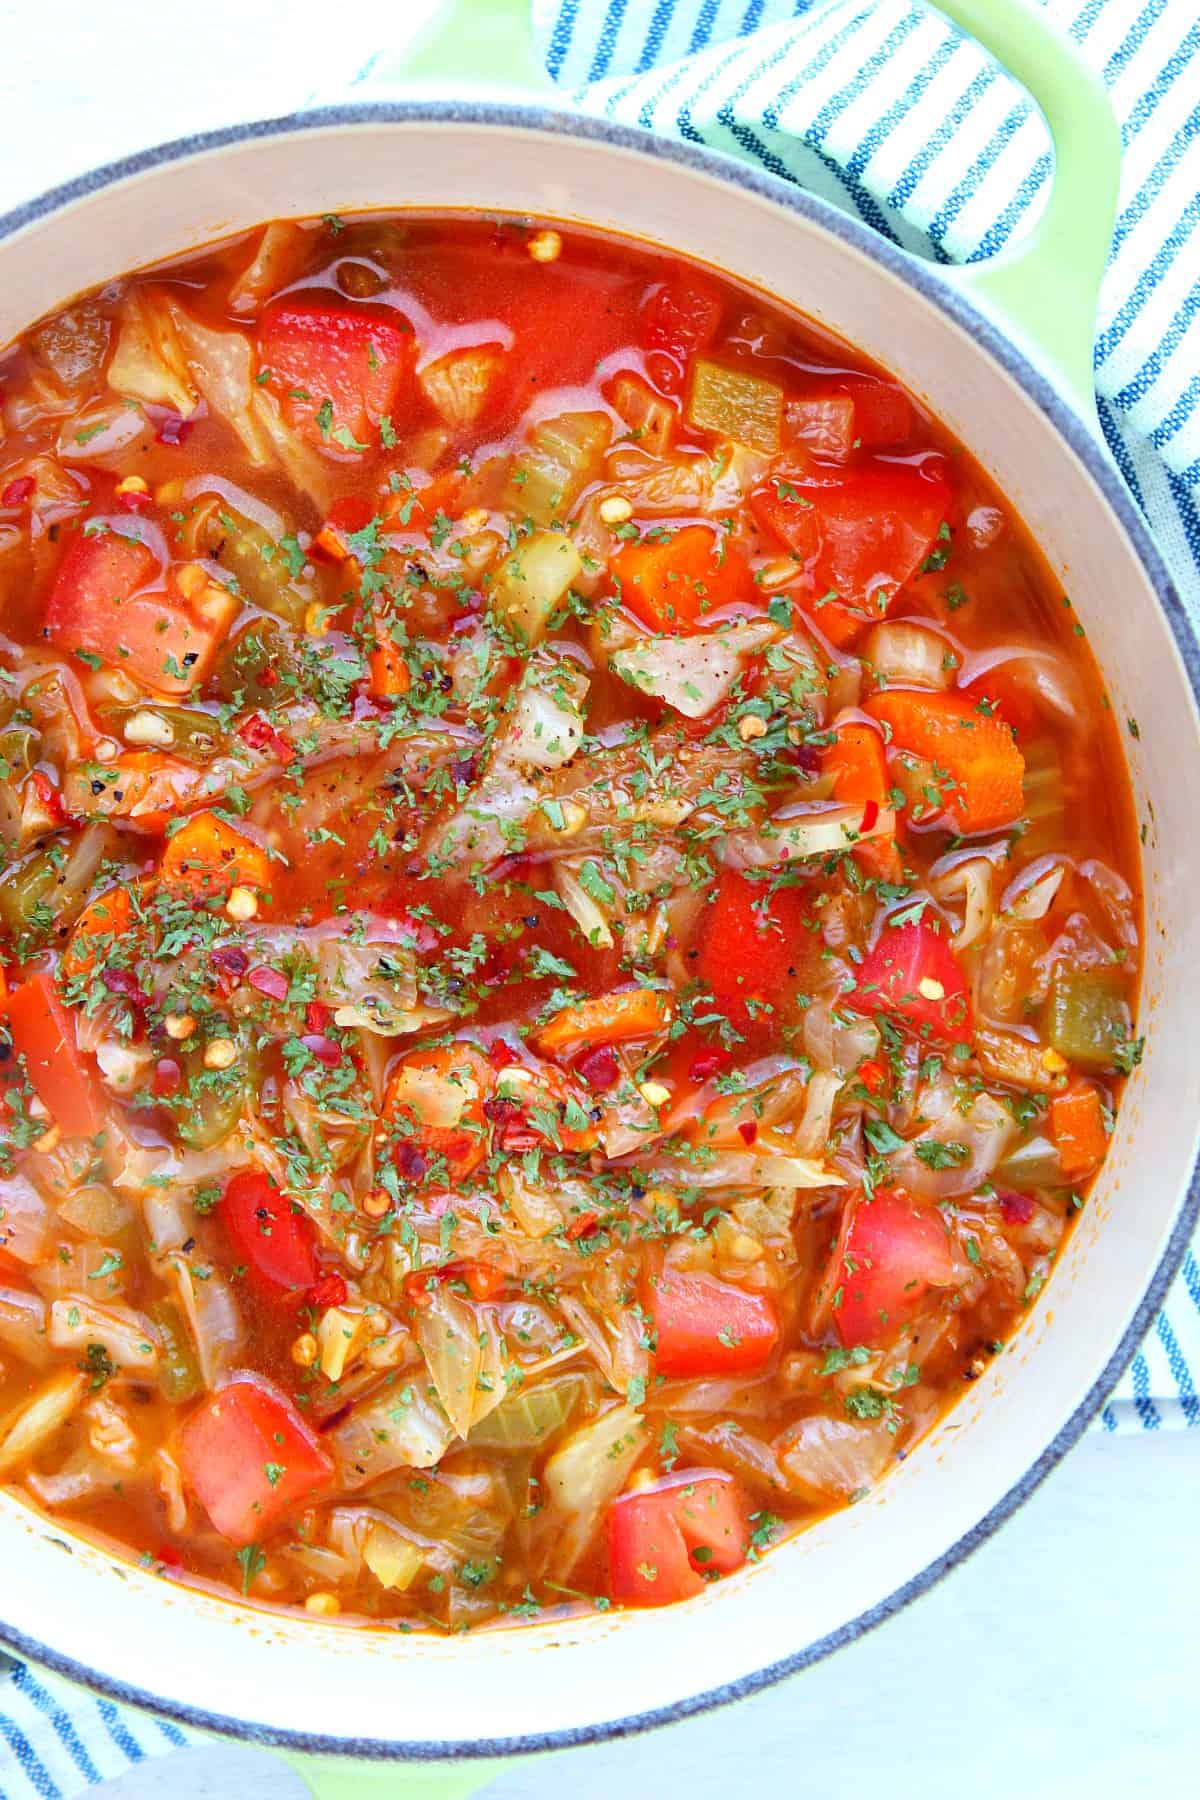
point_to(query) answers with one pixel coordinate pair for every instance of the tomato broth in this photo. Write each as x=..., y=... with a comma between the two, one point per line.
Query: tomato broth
x=569, y=920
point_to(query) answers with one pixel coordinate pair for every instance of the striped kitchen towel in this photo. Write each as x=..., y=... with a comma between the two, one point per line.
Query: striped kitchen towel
x=880, y=106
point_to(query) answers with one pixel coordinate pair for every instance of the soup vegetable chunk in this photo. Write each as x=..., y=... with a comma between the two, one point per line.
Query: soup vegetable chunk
x=568, y=919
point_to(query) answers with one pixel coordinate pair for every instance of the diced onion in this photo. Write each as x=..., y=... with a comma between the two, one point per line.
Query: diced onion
x=906, y=655
x=827, y=1459
x=813, y=831
x=974, y=878
x=1031, y=894
x=812, y=1133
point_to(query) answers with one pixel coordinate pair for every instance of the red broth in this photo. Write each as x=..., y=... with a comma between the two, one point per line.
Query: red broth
x=569, y=911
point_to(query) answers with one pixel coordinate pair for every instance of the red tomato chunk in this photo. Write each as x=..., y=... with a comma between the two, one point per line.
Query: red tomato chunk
x=250, y=1458
x=667, y=1541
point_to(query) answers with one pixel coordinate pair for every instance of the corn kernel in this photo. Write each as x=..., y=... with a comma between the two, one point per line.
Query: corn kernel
x=132, y=484
x=149, y=728
x=654, y=1093
x=751, y=727
x=179, y=1026
x=49, y=1139
x=1054, y=1062
x=376, y=1204
x=304, y=1350
x=615, y=509
x=241, y=905
x=929, y=989
x=191, y=580
x=545, y=246
x=220, y=1054
x=324, y=1606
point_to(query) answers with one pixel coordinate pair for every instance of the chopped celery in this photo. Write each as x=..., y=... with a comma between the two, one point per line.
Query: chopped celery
x=260, y=568
x=1033, y=1164
x=178, y=1370
x=525, y=1420
x=1086, y=1017
x=560, y=458
x=530, y=583
x=196, y=736
x=1044, y=811
x=735, y=405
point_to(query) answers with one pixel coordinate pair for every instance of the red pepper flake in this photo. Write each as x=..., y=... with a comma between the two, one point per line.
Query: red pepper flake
x=19, y=491
x=230, y=959
x=600, y=1068
x=317, y=1016
x=708, y=1064
x=258, y=734
x=747, y=1131
x=50, y=797
x=330, y=1290
x=172, y=430
x=124, y=981
x=1017, y=1209
x=483, y=1281
x=501, y=1055
x=271, y=982
x=168, y=1556
x=582, y=1227
x=870, y=815
x=410, y=1163
x=322, y=1048
x=873, y=1075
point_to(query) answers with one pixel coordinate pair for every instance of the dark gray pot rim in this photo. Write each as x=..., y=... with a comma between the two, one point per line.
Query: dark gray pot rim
x=1078, y=438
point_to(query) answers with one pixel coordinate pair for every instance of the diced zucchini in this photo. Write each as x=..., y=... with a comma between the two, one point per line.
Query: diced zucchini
x=557, y=463
x=735, y=405
x=531, y=582
x=1086, y=1017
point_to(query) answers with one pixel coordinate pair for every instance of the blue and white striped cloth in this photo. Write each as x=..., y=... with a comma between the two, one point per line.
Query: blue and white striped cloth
x=880, y=106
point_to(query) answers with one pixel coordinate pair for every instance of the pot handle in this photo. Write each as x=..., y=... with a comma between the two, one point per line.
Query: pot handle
x=336, y=1778
x=1044, y=291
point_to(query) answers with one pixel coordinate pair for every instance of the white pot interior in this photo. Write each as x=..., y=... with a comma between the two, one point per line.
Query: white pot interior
x=254, y=1669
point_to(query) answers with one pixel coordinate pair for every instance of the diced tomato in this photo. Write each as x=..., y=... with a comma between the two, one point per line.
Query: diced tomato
x=250, y=1457
x=109, y=600
x=676, y=584
x=43, y=1032
x=663, y=1541
x=860, y=535
x=912, y=974
x=269, y=1233
x=338, y=368
x=703, y=1326
x=883, y=413
x=890, y=1252
x=678, y=318
x=855, y=759
x=751, y=939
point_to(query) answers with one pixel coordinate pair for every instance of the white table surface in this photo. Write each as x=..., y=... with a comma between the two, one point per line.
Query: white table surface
x=1062, y=1659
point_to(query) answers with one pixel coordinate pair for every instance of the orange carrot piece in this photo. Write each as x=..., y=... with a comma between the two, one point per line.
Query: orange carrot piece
x=388, y=676
x=676, y=584
x=207, y=857
x=605, y=1019
x=106, y=918
x=1077, y=1125
x=856, y=761
x=975, y=750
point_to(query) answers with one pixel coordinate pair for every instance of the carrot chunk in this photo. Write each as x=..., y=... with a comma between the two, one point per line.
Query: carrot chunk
x=974, y=750
x=606, y=1019
x=1077, y=1125
x=207, y=857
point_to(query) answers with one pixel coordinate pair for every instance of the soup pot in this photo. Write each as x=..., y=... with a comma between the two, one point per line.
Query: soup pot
x=1001, y=353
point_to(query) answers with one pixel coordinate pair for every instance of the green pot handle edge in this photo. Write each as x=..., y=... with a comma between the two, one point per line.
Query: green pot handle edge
x=1044, y=291
x=340, y=1778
